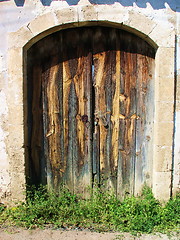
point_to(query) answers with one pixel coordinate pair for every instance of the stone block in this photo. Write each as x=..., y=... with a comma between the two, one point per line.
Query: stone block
x=163, y=133
x=15, y=89
x=42, y=23
x=165, y=59
x=17, y=162
x=165, y=89
x=66, y=15
x=164, y=159
x=140, y=22
x=163, y=35
x=162, y=185
x=164, y=111
x=16, y=114
x=15, y=137
x=17, y=186
x=115, y=14
x=15, y=64
x=19, y=38
x=87, y=13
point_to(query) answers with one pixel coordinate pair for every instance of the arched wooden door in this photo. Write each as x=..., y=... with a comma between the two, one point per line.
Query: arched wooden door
x=90, y=109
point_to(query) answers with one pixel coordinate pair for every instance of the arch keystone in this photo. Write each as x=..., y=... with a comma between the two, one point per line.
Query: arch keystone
x=42, y=23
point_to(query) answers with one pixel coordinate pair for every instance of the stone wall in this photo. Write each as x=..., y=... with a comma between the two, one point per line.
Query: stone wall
x=22, y=23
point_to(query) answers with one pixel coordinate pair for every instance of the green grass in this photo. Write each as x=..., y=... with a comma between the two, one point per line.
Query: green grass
x=102, y=212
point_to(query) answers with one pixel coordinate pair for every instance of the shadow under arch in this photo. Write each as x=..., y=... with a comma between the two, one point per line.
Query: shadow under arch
x=99, y=23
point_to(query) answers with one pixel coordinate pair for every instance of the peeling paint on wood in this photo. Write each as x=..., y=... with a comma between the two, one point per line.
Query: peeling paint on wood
x=93, y=86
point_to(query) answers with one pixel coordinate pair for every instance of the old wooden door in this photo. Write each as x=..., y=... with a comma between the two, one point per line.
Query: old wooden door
x=90, y=109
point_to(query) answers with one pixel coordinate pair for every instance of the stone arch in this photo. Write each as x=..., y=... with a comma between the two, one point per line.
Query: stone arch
x=116, y=16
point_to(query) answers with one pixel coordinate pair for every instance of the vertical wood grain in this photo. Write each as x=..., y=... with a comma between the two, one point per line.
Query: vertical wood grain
x=101, y=59
x=127, y=116
x=77, y=69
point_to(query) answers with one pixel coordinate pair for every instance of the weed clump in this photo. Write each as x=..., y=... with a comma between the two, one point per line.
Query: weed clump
x=101, y=212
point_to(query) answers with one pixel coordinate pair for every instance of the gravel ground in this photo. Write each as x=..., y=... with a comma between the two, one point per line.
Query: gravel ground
x=49, y=234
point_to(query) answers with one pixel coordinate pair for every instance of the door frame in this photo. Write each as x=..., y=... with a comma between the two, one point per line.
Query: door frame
x=162, y=39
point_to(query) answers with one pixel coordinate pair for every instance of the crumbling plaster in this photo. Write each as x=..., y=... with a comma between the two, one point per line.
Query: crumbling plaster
x=33, y=22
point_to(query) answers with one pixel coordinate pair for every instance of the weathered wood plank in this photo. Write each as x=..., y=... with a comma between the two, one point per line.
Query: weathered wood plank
x=101, y=59
x=78, y=70
x=83, y=83
x=104, y=42
x=52, y=129
x=68, y=96
x=127, y=117
x=143, y=170
x=115, y=108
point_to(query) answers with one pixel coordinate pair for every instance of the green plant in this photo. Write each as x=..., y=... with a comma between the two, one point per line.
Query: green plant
x=170, y=215
x=101, y=212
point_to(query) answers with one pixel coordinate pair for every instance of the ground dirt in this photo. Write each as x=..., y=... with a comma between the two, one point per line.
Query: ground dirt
x=49, y=234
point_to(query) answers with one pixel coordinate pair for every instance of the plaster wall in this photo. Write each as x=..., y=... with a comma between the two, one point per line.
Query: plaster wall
x=24, y=22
